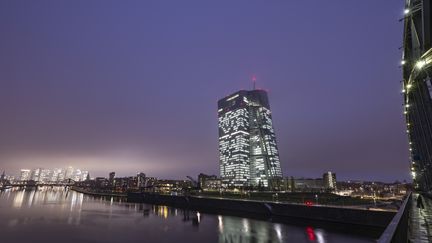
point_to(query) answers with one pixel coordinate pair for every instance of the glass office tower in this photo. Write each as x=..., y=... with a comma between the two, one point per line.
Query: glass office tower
x=248, y=151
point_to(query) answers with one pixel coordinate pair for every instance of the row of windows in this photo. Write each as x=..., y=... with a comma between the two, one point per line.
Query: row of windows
x=247, y=145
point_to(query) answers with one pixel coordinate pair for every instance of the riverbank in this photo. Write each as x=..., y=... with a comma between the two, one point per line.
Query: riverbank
x=93, y=193
x=355, y=218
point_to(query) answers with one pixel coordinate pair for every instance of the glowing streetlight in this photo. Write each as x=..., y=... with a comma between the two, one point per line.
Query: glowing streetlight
x=420, y=64
x=406, y=11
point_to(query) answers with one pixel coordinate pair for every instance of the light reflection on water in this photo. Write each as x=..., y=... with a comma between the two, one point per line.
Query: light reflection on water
x=50, y=214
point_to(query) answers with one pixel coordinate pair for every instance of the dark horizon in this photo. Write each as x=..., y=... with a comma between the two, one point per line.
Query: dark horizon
x=129, y=87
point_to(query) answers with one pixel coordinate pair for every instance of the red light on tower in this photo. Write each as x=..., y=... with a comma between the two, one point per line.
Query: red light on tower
x=254, y=80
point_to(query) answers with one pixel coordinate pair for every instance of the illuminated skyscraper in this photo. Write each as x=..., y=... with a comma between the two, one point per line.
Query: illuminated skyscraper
x=57, y=175
x=36, y=174
x=25, y=175
x=69, y=173
x=84, y=175
x=248, y=152
x=111, y=177
x=329, y=179
x=45, y=175
x=77, y=176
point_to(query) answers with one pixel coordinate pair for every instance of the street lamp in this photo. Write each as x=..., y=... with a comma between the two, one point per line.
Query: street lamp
x=420, y=64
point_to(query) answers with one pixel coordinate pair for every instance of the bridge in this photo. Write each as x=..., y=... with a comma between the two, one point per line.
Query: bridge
x=413, y=222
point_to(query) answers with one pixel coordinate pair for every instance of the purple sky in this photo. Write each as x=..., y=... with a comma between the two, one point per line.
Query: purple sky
x=131, y=86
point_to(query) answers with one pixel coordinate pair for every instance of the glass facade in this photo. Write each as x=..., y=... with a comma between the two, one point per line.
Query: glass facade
x=248, y=151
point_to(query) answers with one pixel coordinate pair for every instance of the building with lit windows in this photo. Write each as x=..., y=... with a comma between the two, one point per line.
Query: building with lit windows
x=45, y=175
x=417, y=89
x=36, y=174
x=69, y=173
x=55, y=175
x=141, y=177
x=84, y=175
x=329, y=179
x=25, y=175
x=248, y=152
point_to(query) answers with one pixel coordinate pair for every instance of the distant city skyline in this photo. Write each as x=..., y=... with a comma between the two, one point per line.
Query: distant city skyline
x=131, y=87
x=51, y=175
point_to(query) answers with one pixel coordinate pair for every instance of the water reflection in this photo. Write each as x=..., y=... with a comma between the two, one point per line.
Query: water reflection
x=317, y=235
x=250, y=230
x=18, y=199
x=30, y=214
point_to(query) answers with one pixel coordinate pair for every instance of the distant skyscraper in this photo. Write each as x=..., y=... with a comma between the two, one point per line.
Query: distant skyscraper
x=55, y=175
x=25, y=175
x=84, y=175
x=45, y=175
x=141, y=177
x=61, y=176
x=77, y=176
x=248, y=151
x=111, y=177
x=329, y=179
x=36, y=174
x=69, y=173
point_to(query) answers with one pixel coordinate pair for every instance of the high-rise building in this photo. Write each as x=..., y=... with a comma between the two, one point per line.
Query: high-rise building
x=36, y=174
x=77, y=176
x=329, y=179
x=111, y=177
x=69, y=173
x=25, y=175
x=248, y=152
x=417, y=89
x=45, y=175
x=61, y=175
x=84, y=175
x=141, y=177
x=55, y=175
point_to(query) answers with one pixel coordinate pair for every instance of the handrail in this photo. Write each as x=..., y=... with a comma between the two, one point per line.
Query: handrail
x=395, y=226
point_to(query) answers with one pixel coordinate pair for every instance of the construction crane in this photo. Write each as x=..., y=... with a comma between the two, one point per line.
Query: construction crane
x=194, y=182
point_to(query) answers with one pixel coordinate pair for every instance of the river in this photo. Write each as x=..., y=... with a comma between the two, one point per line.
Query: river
x=60, y=215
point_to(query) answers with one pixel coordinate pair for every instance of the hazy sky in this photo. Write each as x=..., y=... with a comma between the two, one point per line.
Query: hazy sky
x=132, y=86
